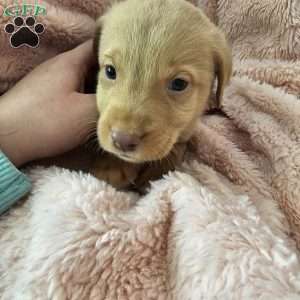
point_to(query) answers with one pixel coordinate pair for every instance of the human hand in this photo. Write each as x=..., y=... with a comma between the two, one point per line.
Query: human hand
x=45, y=114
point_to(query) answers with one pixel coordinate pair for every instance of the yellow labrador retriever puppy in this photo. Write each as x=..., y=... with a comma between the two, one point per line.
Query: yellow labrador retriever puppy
x=158, y=61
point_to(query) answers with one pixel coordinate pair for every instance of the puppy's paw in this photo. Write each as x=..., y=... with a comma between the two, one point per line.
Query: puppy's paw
x=115, y=171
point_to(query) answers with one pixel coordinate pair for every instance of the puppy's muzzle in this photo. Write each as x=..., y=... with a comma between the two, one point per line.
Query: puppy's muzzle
x=124, y=141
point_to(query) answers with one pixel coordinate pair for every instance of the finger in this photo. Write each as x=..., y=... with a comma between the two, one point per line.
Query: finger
x=87, y=114
x=82, y=57
x=90, y=100
x=87, y=100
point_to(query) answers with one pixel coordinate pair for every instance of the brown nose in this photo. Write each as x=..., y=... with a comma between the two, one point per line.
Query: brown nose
x=124, y=141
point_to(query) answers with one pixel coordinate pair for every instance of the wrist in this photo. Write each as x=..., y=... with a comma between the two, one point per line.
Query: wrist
x=11, y=139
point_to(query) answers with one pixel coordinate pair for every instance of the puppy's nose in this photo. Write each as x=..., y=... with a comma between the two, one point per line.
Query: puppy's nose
x=124, y=141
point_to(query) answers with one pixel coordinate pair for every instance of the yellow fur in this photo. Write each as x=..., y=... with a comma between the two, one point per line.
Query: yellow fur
x=150, y=43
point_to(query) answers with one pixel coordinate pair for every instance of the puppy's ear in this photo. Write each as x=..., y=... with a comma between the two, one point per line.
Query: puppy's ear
x=223, y=65
x=97, y=36
x=90, y=85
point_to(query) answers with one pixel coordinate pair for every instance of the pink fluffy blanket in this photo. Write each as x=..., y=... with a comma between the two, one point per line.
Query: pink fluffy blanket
x=224, y=226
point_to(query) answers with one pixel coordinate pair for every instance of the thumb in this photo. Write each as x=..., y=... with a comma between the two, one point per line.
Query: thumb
x=87, y=103
x=89, y=100
x=83, y=57
x=87, y=114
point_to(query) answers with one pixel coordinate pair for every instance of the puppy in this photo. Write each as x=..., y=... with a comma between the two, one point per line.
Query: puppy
x=158, y=62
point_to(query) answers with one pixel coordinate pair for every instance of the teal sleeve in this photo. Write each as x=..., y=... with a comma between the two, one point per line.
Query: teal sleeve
x=13, y=184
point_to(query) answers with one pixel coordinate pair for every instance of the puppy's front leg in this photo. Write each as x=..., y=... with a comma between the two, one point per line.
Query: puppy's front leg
x=117, y=172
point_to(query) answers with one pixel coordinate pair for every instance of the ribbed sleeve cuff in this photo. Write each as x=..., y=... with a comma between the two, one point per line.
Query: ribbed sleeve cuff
x=13, y=184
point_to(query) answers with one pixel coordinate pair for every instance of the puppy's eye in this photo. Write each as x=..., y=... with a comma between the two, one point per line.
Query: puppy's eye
x=110, y=72
x=178, y=85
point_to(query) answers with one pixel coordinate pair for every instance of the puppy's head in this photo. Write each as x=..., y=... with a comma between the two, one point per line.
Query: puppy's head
x=158, y=61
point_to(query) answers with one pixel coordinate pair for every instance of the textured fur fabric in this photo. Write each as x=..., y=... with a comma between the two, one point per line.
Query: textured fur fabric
x=77, y=238
x=67, y=24
x=223, y=227
x=258, y=29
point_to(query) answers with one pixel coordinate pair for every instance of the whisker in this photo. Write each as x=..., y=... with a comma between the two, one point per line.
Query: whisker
x=91, y=134
x=93, y=144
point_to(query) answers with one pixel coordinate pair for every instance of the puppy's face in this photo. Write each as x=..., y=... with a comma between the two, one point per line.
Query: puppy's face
x=158, y=61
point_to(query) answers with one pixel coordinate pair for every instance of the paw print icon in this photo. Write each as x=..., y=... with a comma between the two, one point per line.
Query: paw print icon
x=24, y=32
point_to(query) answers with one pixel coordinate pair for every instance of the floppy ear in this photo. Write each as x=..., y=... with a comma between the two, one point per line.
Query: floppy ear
x=97, y=36
x=223, y=65
x=91, y=80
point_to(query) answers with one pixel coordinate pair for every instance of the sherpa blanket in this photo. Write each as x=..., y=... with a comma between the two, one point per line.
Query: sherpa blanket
x=224, y=226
